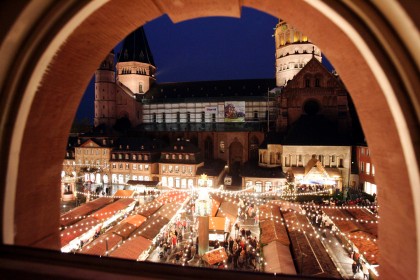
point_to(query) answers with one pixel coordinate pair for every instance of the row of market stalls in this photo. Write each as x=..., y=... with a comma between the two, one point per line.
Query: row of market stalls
x=275, y=242
x=359, y=231
x=77, y=234
x=134, y=237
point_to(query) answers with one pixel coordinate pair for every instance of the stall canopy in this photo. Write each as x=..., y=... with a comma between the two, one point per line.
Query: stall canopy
x=148, y=209
x=228, y=210
x=111, y=209
x=151, y=228
x=132, y=248
x=80, y=212
x=278, y=258
x=124, y=193
x=272, y=231
x=102, y=244
x=215, y=256
x=77, y=230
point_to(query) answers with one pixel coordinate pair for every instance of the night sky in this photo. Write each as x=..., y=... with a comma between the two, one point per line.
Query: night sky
x=205, y=49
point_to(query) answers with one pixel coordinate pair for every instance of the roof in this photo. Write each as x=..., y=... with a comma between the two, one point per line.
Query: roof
x=135, y=220
x=278, y=259
x=273, y=231
x=124, y=229
x=215, y=256
x=77, y=230
x=151, y=227
x=99, y=246
x=252, y=169
x=123, y=193
x=132, y=248
x=148, y=209
x=212, y=168
x=136, y=144
x=228, y=209
x=168, y=210
x=110, y=210
x=80, y=212
x=144, y=183
x=209, y=91
x=366, y=245
x=136, y=48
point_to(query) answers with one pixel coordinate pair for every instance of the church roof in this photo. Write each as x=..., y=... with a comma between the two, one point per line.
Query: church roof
x=209, y=91
x=136, y=48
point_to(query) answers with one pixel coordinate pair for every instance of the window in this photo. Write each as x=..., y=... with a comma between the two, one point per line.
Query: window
x=127, y=166
x=178, y=117
x=362, y=167
x=134, y=166
x=307, y=83
x=119, y=156
x=176, y=169
x=332, y=158
x=146, y=157
x=180, y=156
x=367, y=168
x=317, y=82
x=146, y=167
x=341, y=162
x=127, y=156
x=134, y=157
x=187, y=157
x=203, y=117
x=114, y=166
x=154, y=117
x=373, y=170
x=120, y=166
x=256, y=115
x=188, y=117
x=141, y=167
x=213, y=117
x=300, y=158
x=163, y=117
x=104, y=152
x=163, y=169
x=222, y=147
x=167, y=156
x=170, y=169
x=173, y=156
x=183, y=169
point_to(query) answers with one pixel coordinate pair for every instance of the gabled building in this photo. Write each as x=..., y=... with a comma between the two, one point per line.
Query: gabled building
x=313, y=107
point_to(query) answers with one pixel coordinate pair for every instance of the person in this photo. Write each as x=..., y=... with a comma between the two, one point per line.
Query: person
x=354, y=269
x=365, y=270
x=236, y=230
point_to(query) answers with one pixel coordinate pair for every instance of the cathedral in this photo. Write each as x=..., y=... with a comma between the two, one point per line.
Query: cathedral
x=263, y=131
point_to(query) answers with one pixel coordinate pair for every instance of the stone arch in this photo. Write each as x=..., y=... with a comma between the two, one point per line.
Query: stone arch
x=35, y=118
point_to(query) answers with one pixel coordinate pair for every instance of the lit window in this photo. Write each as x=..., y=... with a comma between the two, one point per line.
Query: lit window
x=222, y=146
x=368, y=168
x=373, y=170
x=134, y=166
x=146, y=167
x=127, y=166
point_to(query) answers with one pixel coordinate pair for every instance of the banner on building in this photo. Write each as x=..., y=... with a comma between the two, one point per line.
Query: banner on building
x=235, y=111
x=211, y=110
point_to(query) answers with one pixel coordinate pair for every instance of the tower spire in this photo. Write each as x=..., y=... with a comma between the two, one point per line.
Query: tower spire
x=136, y=48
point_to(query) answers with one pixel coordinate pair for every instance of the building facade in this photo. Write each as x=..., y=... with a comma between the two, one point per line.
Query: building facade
x=366, y=170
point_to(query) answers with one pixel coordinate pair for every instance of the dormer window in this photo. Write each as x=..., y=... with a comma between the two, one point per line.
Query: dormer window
x=182, y=148
x=175, y=148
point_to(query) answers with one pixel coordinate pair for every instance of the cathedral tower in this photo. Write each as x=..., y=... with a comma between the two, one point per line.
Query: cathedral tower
x=105, y=93
x=293, y=51
x=135, y=66
x=135, y=75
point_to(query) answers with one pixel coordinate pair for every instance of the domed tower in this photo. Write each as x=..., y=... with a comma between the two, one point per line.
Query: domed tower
x=293, y=51
x=105, y=93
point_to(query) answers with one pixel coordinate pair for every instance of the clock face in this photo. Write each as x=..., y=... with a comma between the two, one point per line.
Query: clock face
x=284, y=27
